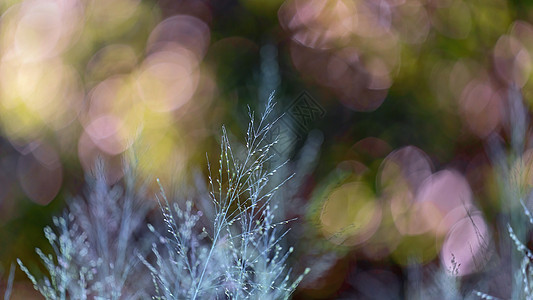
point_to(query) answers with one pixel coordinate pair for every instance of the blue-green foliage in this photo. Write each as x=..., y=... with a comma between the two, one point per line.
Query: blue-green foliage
x=238, y=255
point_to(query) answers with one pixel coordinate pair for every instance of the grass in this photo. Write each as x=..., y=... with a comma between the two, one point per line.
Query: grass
x=240, y=254
x=102, y=251
x=514, y=260
x=95, y=252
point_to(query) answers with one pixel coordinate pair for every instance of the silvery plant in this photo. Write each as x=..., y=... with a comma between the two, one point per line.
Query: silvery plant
x=232, y=248
x=508, y=273
x=517, y=196
x=95, y=252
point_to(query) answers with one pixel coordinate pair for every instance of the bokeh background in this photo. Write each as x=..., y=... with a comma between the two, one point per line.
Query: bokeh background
x=400, y=96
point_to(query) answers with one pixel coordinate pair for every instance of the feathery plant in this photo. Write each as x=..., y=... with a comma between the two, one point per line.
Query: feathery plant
x=513, y=191
x=94, y=255
x=515, y=223
x=523, y=275
x=240, y=254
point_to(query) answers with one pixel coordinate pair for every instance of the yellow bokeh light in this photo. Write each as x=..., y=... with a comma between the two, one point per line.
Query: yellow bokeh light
x=351, y=214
